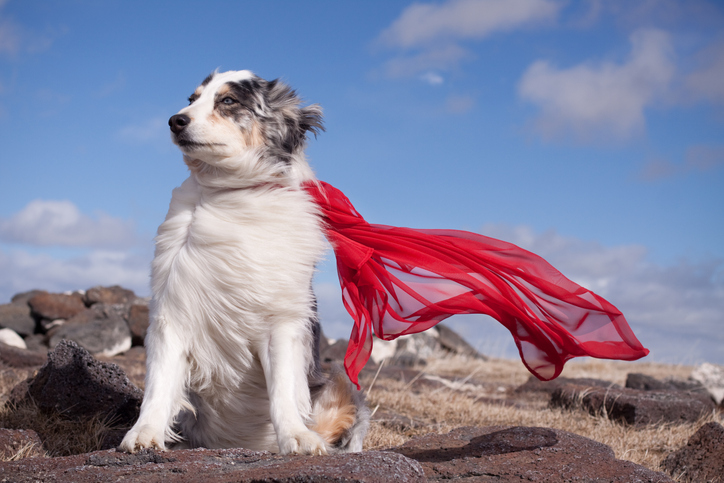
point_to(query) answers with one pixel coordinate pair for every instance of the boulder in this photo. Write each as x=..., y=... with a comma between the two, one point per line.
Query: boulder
x=108, y=295
x=11, y=338
x=702, y=459
x=514, y=454
x=334, y=352
x=712, y=378
x=49, y=307
x=23, y=297
x=101, y=330
x=631, y=406
x=453, y=342
x=228, y=465
x=17, y=317
x=19, y=443
x=76, y=385
x=648, y=383
x=20, y=358
x=138, y=321
x=533, y=384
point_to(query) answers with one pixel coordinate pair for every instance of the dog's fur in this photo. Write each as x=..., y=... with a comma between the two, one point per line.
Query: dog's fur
x=232, y=347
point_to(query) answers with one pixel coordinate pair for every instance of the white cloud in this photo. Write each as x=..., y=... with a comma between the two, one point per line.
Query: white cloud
x=23, y=271
x=429, y=34
x=604, y=100
x=432, y=78
x=707, y=81
x=60, y=223
x=672, y=309
x=698, y=159
x=424, y=24
x=442, y=58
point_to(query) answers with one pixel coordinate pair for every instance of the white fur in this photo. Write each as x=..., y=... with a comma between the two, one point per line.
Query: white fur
x=229, y=345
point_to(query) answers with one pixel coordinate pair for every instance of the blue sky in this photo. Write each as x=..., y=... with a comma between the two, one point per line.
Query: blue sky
x=590, y=132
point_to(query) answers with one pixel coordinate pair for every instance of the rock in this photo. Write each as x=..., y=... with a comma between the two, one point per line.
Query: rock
x=533, y=384
x=19, y=443
x=100, y=330
x=383, y=350
x=702, y=459
x=54, y=306
x=335, y=351
x=417, y=346
x=77, y=386
x=36, y=343
x=633, y=406
x=514, y=454
x=17, y=317
x=138, y=321
x=19, y=358
x=229, y=465
x=451, y=341
x=11, y=338
x=649, y=383
x=23, y=297
x=108, y=295
x=712, y=378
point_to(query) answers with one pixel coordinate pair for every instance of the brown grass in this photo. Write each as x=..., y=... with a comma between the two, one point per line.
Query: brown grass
x=473, y=404
x=60, y=436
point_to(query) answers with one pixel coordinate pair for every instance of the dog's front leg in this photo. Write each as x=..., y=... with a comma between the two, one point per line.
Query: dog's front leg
x=164, y=395
x=285, y=372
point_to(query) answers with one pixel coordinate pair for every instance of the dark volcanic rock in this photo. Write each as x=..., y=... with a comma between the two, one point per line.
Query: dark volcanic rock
x=514, y=454
x=26, y=441
x=533, y=384
x=108, y=295
x=138, y=321
x=702, y=459
x=77, y=386
x=18, y=318
x=334, y=352
x=649, y=383
x=53, y=306
x=14, y=357
x=633, y=406
x=204, y=465
x=100, y=330
x=451, y=341
x=23, y=297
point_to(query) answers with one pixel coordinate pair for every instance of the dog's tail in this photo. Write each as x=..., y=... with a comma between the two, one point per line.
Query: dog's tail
x=339, y=414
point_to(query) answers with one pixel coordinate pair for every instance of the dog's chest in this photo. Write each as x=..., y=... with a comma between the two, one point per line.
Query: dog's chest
x=235, y=247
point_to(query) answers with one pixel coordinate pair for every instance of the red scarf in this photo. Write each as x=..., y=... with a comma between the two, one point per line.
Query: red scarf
x=399, y=281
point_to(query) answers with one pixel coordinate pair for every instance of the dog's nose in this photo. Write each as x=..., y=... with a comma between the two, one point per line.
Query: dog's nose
x=178, y=122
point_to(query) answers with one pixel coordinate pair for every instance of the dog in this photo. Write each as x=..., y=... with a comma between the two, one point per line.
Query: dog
x=233, y=342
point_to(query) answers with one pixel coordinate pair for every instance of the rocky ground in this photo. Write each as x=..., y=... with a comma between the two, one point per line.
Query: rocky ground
x=72, y=368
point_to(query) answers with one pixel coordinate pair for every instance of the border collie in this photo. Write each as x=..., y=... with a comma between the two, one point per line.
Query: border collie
x=232, y=349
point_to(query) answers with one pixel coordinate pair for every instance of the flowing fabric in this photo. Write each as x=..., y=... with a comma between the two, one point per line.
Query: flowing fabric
x=398, y=281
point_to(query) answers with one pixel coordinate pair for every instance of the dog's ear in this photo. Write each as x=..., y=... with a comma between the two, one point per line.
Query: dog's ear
x=290, y=122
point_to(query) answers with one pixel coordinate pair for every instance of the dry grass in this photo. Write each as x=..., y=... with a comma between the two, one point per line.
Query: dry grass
x=476, y=398
x=60, y=436
x=473, y=404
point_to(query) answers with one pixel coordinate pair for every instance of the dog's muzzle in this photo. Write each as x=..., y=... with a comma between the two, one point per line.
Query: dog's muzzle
x=178, y=122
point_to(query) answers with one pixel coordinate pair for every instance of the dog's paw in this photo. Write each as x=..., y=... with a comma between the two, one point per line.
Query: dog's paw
x=303, y=442
x=142, y=437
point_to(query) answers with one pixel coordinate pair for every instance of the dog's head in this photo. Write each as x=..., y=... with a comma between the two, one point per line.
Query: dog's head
x=236, y=119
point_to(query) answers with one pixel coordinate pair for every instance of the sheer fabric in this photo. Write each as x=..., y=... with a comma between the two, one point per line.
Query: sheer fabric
x=398, y=281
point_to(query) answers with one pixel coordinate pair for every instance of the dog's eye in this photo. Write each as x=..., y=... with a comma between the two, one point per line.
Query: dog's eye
x=228, y=100
x=192, y=99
